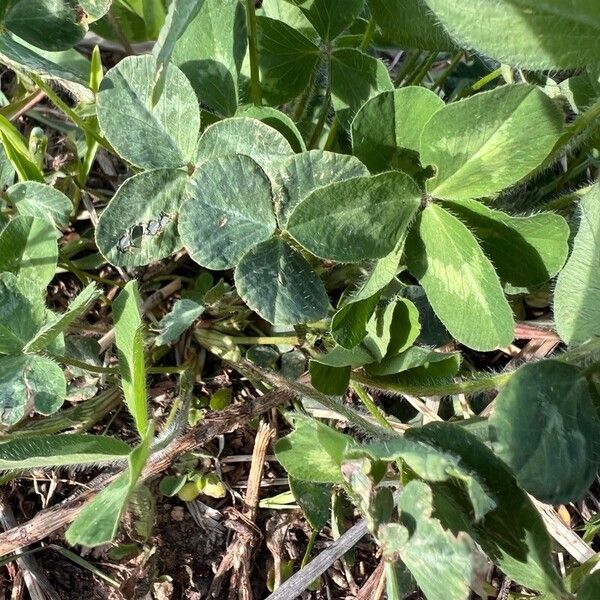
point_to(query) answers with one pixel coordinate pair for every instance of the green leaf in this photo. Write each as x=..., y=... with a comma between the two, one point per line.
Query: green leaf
x=95, y=9
x=577, y=294
x=332, y=17
x=417, y=358
x=460, y=282
x=210, y=53
x=22, y=313
x=139, y=224
x=7, y=170
x=161, y=135
x=328, y=379
x=29, y=249
x=482, y=145
x=531, y=34
x=37, y=451
x=404, y=327
x=303, y=173
x=546, y=429
x=355, y=77
x=130, y=346
x=277, y=120
x=314, y=499
x=17, y=151
x=540, y=241
x=373, y=212
x=229, y=211
x=431, y=464
x=349, y=324
x=99, y=520
x=179, y=16
x=180, y=318
x=246, y=136
x=411, y=24
x=25, y=60
x=54, y=327
x=386, y=131
x=287, y=60
x=313, y=451
x=29, y=382
x=590, y=590
x=279, y=284
x=443, y=565
x=33, y=199
x=53, y=25
x=513, y=534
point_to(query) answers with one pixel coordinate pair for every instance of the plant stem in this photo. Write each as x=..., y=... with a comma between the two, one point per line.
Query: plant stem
x=255, y=90
x=309, y=547
x=242, y=340
x=439, y=82
x=418, y=78
x=332, y=136
x=368, y=36
x=481, y=83
x=406, y=68
x=79, y=364
x=479, y=384
x=69, y=112
x=303, y=102
x=371, y=406
x=252, y=371
x=316, y=135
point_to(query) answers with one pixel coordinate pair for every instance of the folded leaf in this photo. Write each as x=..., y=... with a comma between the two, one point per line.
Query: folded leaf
x=130, y=346
x=24, y=60
x=482, y=145
x=29, y=382
x=210, y=53
x=180, y=318
x=460, y=282
x=277, y=120
x=38, y=451
x=22, y=313
x=99, y=520
x=577, y=294
x=54, y=327
x=229, y=211
x=356, y=219
x=546, y=428
x=164, y=134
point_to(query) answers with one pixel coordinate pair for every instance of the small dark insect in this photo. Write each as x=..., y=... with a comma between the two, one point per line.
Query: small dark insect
x=157, y=226
x=124, y=244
